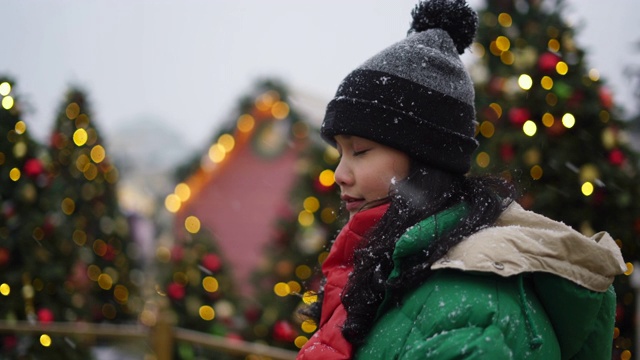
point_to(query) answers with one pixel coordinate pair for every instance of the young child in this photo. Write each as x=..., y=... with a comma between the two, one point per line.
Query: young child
x=435, y=264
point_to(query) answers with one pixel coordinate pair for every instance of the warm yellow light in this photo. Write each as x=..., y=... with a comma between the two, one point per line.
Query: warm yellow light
x=554, y=45
x=483, y=159
x=328, y=215
x=210, y=284
x=308, y=326
x=80, y=137
x=183, y=192
x=79, y=237
x=98, y=154
x=216, y=153
x=300, y=341
x=45, y=340
x=7, y=102
x=503, y=43
x=172, y=203
x=303, y=272
x=327, y=178
x=529, y=128
x=487, y=129
x=14, y=174
x=311, y=204
x=505, y=20
x=305, y=218
x=587, y=188
x=20, y=127
x=90, y=172
x=68, y=206
x=281, y=289
x=497, y=108
x=625, y=355
x=294, y=286
x=525, y=82
x=227, y=141
x=93, y=272
x=562, y=68
x=309, y=297
x=331, y=155
x=5, y=289
x=280, y=110
x=548, y=120
x=121, y=294
x=72, y=111
x=105, y=281
x=536, y=172
x=629, y=270
x=507, y=58
x=192, y=224
x=206, y=312
x=245, y=123
x=568, y=120
x=546, y=82
x=5, y=88
x=594, y=75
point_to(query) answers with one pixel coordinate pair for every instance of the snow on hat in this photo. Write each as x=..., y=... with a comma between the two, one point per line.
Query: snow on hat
x=416, y=95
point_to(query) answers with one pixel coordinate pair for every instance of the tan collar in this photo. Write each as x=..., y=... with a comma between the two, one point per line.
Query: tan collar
x=522, y=241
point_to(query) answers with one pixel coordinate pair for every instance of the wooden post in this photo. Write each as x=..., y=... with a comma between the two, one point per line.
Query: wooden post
x=162, y=334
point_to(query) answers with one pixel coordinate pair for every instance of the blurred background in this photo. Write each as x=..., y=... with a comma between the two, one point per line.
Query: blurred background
x=163, y=183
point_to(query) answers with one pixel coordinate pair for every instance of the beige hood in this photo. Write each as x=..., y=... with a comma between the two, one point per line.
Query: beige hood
x=522, y=241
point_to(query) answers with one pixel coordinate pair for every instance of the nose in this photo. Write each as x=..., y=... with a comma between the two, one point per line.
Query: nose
x=343, y=174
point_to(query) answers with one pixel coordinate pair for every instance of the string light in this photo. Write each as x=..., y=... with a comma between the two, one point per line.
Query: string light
x=311, y=204
x=14, y=174
x=98, y=154
x=5, y=289
x=548, y=120
x=172, y=203
x=587, y=188
x=327, y=178
x=45, y=340
x=7, y=102
x=192, y=224
x=529, y=128
x=183, y=192
x=300, y=341
x=546, y=82
x=280, y=110
x=5, y=88
x=80, y=137
x=206, y=312
x=568, y=120
x=72, y=111
x=505, y=20
x=245, y=123
x=483, y=159
x=562, y=68
x=525, y=82
x=487, y=129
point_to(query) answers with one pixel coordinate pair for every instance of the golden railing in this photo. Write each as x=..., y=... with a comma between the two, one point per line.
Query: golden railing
x=160, y=338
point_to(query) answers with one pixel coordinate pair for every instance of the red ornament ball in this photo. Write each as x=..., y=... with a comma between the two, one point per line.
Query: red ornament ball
x=519, y=116
x=507, y=153
x=283, y=331
x=606, y=97
x=547, y=62
x=177, y=253
x=5, y=256
x=33, y=168
x=616, y=157
x=45, y=315
x=176, y=291
x=211, y=262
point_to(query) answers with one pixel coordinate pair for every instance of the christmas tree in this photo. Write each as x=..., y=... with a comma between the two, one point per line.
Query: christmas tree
x=548, y=121
x=288, y=279
x=287, y=276
x=93, y=232
x=34, y=262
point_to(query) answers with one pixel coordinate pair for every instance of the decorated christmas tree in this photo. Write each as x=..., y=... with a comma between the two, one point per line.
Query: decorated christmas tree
x=548, y=121
x=266, y=132
x=195, y=280
x=92, y=231
x=289, y=276
x=35, y=264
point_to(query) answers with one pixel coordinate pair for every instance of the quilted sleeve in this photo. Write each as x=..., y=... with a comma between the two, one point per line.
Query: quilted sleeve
x=462, y=343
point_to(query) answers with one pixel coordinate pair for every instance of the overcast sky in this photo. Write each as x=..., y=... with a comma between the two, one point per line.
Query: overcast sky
x=185, y=63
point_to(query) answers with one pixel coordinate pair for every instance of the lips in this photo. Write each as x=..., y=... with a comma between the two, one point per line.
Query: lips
x=352, y=204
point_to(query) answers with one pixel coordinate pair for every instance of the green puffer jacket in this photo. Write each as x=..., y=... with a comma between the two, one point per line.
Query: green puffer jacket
x=526, y=288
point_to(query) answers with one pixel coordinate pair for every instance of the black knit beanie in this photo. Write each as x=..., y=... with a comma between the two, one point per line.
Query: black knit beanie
x=416, y=95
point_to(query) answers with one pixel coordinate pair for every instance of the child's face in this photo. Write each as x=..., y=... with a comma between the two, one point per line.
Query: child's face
x=366, y=170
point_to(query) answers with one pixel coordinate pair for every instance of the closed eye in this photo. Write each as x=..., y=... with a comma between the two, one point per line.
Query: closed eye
x=361, y=152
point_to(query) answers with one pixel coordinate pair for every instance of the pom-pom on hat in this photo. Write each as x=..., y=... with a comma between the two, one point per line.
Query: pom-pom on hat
x=416, y=95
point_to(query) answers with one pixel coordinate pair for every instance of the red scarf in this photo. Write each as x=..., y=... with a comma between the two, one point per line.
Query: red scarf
x=328, y=343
